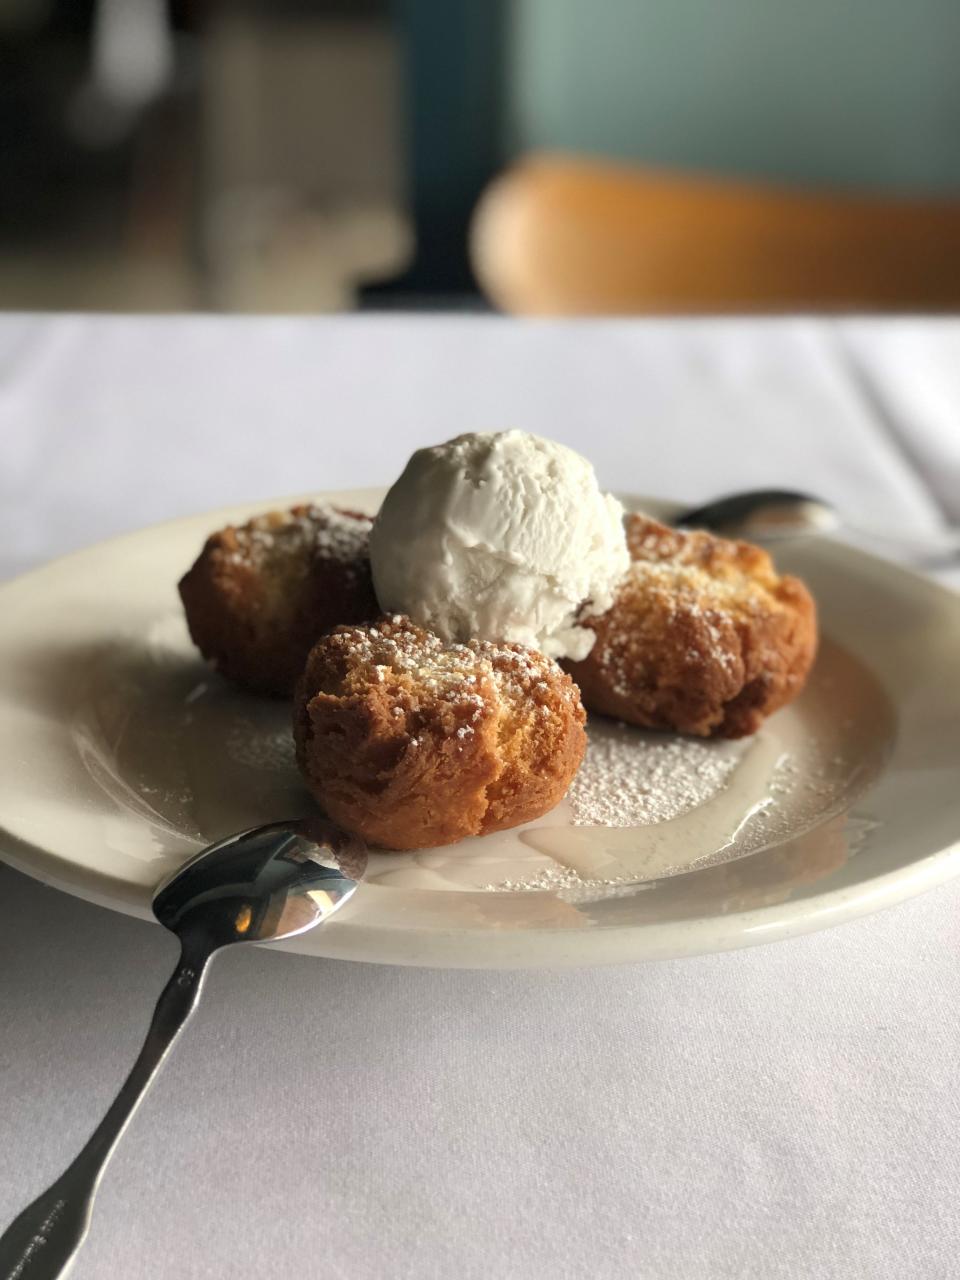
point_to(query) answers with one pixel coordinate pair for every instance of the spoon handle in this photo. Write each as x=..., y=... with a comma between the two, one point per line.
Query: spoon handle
x=40, y=1243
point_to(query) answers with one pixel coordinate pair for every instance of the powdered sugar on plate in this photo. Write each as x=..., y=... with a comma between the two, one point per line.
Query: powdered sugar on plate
x=632, y=779
x=646, y=806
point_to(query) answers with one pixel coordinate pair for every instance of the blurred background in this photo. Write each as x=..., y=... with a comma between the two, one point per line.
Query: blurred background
x=537, y=156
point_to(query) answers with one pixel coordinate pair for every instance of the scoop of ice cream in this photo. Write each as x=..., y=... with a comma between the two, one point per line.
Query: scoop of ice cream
x=499, y=537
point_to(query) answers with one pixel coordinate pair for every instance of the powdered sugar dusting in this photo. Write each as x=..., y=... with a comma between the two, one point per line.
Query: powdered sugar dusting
x=568, y=885
x=454, y=671
x=318, y=530
x=631, y=779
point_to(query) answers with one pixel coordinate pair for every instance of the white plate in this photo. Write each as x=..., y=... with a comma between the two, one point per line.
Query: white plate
x=122, y=755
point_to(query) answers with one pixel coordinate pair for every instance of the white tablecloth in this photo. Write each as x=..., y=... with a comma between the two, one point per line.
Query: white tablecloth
x=789, y=1111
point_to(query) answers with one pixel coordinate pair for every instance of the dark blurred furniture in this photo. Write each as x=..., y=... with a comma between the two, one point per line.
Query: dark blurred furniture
x=452, y=54
x=234, y=154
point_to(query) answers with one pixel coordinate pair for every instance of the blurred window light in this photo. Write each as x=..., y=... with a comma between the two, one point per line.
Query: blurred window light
x=132, y=56
x=131, y=64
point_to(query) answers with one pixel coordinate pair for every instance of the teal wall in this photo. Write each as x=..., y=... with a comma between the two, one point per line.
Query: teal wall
x=839, y=93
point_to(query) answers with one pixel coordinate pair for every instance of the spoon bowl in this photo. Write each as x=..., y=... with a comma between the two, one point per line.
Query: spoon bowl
x=765, y=515
x=762, y=513
x=262, y=885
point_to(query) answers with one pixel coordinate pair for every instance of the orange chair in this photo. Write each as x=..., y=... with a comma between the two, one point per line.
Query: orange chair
x=561, y=235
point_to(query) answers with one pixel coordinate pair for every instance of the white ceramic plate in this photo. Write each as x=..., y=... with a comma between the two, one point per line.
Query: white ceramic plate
x=122, y=755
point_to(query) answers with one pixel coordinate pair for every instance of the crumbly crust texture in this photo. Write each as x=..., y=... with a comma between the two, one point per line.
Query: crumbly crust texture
x=704, y=637
x=412, y=742
x=261, y=593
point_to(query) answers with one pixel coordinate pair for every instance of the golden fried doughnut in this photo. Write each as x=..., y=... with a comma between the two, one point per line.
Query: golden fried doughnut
x=261, y=593
x=704, y=636
x=412, y=742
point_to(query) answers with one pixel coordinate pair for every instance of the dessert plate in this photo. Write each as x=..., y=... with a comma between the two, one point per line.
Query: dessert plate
x=123, y=755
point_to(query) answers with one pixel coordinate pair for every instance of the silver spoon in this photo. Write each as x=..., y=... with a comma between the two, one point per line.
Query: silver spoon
x=260, y=886
x=767, y=514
